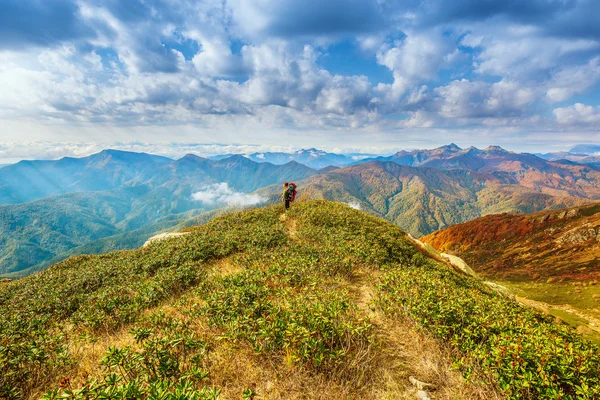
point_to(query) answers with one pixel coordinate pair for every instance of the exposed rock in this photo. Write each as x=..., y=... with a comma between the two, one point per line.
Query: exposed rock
x=503, y=290
x=543, y=218
x=423, y=395
x=580, y=235
x=164, y=236
x=460, y=264
x=417, y=383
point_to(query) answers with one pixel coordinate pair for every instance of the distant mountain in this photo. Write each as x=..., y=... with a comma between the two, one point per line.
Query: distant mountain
x=313, y=158
x=581, y=153
x=422, y=200
x=574, y=157
x=417, y=158
x=527, y=170
x=34, y=232
x=559, y=244
x=31, y=180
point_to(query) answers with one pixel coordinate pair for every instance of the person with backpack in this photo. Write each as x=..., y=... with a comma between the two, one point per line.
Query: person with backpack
x=289, y=193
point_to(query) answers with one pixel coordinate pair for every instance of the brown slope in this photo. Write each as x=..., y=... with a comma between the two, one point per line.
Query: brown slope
x=556, y=178
x=560, y=244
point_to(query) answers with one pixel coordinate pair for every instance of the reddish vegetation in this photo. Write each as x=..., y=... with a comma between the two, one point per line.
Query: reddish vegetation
x=559, y=244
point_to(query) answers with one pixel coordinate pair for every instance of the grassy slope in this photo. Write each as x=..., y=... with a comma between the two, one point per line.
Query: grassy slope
x=127, y=240
x=315, y=302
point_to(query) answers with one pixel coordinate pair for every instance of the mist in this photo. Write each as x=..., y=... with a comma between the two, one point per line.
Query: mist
x=222, y=194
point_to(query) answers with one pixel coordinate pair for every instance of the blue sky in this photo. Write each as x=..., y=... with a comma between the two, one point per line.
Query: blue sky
x=345, y=75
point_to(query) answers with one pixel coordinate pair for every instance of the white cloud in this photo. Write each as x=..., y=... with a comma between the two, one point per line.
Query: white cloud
x=578, y=114
x=521, y=52
x=468, y=99
x=222, y=194
x=254, y=72
x=573, y=80
x=354, y=204
x=416, y=59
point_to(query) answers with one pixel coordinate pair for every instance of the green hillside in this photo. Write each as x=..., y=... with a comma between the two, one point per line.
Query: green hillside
x=320, y=302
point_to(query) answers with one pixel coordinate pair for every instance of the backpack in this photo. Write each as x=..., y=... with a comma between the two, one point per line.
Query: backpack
x=292, y=191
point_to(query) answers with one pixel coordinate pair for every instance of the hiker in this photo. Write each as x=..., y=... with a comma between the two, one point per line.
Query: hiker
x=289, y=193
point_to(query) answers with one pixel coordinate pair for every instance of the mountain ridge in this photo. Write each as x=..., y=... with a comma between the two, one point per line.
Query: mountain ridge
x=422, y=200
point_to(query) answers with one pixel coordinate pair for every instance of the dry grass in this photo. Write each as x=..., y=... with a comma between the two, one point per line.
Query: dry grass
x=291, y=225
x=224, y=267
x=235, y=368
x=86, y=352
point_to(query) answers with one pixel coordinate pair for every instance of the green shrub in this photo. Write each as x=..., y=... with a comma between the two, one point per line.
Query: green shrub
x=525, y=353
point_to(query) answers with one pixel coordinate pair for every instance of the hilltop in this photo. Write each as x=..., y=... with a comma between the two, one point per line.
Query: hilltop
x=323, y=301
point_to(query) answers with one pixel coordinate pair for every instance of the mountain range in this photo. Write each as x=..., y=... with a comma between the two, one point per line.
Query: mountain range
x=422, y=200
x=313, y=158
x=53, y=209
x=581, y=153
x=63, y=204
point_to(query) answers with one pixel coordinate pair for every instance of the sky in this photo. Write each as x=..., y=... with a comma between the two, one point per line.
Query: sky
x=342, y=75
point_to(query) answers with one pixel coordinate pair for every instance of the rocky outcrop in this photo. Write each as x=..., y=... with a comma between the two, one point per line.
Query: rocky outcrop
x=164, y=236
x=580, y=235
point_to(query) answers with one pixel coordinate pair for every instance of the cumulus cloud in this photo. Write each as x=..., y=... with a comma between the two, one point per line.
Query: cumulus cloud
x=467, y=99
x=573, y=80
x=578, y=114
x=222, y=194
x=415, y=59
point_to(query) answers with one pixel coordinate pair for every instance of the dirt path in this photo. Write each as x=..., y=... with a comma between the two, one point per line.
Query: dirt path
x=405, y=352
x=290, y=224
x=593, y=323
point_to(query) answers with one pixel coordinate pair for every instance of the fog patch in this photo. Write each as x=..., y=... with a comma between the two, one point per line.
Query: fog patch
x=222, y=194
x=354, y=204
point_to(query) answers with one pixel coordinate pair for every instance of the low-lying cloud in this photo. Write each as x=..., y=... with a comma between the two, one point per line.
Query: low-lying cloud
x=221, y=194
x=354, y=204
